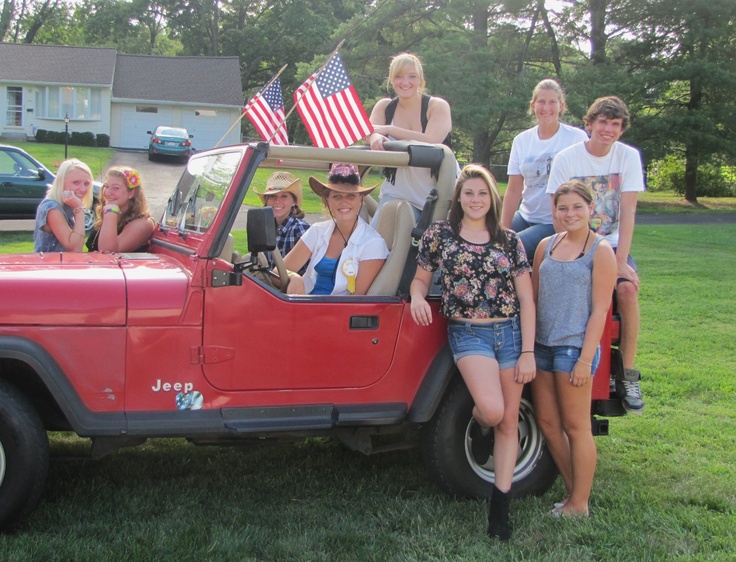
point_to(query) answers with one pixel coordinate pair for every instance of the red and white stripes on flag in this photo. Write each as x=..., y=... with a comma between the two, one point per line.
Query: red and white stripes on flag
x=330, y=107
x=266, y=111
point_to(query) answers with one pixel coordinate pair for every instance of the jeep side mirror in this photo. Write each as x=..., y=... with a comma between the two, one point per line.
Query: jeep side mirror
x=41, y=174
x=261, y=230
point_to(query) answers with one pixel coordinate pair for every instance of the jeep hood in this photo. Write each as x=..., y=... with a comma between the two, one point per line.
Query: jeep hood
x=91, y=289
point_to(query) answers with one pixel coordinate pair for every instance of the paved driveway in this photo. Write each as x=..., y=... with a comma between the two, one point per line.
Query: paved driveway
x=159, y=177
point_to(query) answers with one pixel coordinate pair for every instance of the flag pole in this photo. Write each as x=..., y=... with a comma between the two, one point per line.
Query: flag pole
x=242, y=113
x=321, y=68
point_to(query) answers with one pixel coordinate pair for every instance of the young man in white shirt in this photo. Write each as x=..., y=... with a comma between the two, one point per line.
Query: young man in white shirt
x=613, y=171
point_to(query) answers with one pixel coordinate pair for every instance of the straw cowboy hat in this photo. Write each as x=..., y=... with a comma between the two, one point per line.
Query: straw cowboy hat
x=340, y=169
x=281, y=181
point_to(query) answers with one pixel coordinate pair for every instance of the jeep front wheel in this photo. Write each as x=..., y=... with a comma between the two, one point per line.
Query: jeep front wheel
x=24, y=456
x=446, y=448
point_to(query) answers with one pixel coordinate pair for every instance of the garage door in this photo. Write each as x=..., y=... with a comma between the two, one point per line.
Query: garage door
x=137, y=119
x=209, y=125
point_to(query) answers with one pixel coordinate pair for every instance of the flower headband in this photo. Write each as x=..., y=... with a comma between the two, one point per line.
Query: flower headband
x=132, y=178
x=340, y=169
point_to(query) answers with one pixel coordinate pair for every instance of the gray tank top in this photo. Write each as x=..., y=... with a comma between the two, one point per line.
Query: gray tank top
x=564, y=298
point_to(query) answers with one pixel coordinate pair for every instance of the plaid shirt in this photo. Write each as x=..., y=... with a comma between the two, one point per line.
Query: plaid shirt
x=287, y=235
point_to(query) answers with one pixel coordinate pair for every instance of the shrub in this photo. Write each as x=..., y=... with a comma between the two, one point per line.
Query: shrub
x=103, y=141
x=42, y=135
x=713, y=180
x=82, y=139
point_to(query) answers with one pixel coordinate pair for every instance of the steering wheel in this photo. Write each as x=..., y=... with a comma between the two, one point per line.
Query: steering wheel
x=280, y=278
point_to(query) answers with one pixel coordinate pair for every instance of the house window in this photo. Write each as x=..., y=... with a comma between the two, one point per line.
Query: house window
x=146, y=109
x=14, y=117
x=80, y=104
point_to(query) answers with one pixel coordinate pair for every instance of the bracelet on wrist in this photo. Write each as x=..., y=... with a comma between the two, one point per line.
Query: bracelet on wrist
x=111, y=209
x=584, y=363
x=527, y=352
x=78, y=210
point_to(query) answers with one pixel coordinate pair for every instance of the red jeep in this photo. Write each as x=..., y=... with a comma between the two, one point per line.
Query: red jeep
x=194, y=340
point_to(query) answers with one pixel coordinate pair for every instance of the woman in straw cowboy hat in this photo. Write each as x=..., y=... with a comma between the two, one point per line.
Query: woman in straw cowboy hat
x=345, y=254
x=283, y=193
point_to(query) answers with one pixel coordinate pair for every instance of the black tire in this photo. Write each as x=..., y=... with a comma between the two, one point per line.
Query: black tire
x=445, y=446
x=150, y=157
x=24, y=456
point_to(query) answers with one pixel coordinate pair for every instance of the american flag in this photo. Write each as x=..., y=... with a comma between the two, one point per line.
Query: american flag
x=330, y=107
x=266, y=111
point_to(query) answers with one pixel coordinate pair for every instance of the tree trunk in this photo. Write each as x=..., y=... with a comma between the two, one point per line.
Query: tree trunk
x=553, y=39
x=598, y=36
x=691, y=174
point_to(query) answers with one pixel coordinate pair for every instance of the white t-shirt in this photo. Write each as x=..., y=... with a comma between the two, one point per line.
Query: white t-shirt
x=607, y=176
x=531, y=158
x=364, y=244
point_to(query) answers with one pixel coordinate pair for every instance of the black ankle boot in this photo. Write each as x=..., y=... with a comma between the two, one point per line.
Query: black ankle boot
x=498, y=515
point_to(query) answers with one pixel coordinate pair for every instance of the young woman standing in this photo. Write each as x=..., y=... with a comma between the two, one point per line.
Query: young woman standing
x=573, y=280
x=487, y=297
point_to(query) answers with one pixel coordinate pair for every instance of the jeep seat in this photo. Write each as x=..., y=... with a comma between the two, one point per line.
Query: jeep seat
x=227, y=252
x=394, y=224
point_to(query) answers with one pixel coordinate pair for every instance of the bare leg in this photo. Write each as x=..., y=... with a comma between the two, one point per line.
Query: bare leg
x=506, y=433
x=482, y=379
x=628, y=307
x=575, y=412
x=547, y=410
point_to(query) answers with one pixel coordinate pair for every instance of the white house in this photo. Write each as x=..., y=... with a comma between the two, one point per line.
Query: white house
x=122, y=96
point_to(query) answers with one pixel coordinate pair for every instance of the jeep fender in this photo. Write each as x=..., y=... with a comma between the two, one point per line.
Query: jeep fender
x=433, y=386
x=83, y=421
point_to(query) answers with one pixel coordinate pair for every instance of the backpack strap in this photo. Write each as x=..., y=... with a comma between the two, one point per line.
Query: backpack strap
x=410, y=267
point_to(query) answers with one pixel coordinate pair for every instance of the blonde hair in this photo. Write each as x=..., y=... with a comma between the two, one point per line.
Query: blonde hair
x=137, y=208
x=548, y=84
x=401, y=61
x=56, y=191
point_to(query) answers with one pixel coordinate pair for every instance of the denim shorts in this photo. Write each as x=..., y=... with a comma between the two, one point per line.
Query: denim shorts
x=561, y=358
x=498, y=340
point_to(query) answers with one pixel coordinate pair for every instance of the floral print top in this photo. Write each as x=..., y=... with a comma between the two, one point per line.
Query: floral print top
x=477, y=279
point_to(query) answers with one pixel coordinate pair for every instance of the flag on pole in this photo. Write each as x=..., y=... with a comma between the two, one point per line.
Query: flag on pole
x=266, y=111
x=330, y=107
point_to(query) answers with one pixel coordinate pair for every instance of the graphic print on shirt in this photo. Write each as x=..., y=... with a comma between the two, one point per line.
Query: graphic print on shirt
x=535, y=169
x=606, y=201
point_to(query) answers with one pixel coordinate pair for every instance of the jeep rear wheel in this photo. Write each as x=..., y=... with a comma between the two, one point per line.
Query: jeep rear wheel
x=24, y=456
x=447, y=454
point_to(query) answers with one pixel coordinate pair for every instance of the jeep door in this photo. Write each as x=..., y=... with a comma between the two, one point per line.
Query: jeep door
x=257, y=339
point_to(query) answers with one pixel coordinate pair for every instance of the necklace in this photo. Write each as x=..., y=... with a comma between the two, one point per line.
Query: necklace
x=557, y=243
x=345, y=240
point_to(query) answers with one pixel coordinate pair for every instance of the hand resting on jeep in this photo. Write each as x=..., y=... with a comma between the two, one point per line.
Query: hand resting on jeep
x=345, y=254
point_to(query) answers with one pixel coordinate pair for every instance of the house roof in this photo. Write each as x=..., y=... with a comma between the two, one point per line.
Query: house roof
x=205, y=80
x=44, y=64
x=210, y=80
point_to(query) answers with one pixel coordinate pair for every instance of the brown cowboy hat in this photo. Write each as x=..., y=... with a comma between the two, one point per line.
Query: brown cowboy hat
x=338, y=168
x=281, y=181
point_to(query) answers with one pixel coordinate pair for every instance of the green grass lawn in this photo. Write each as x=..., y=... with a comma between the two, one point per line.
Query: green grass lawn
x=664, y=488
